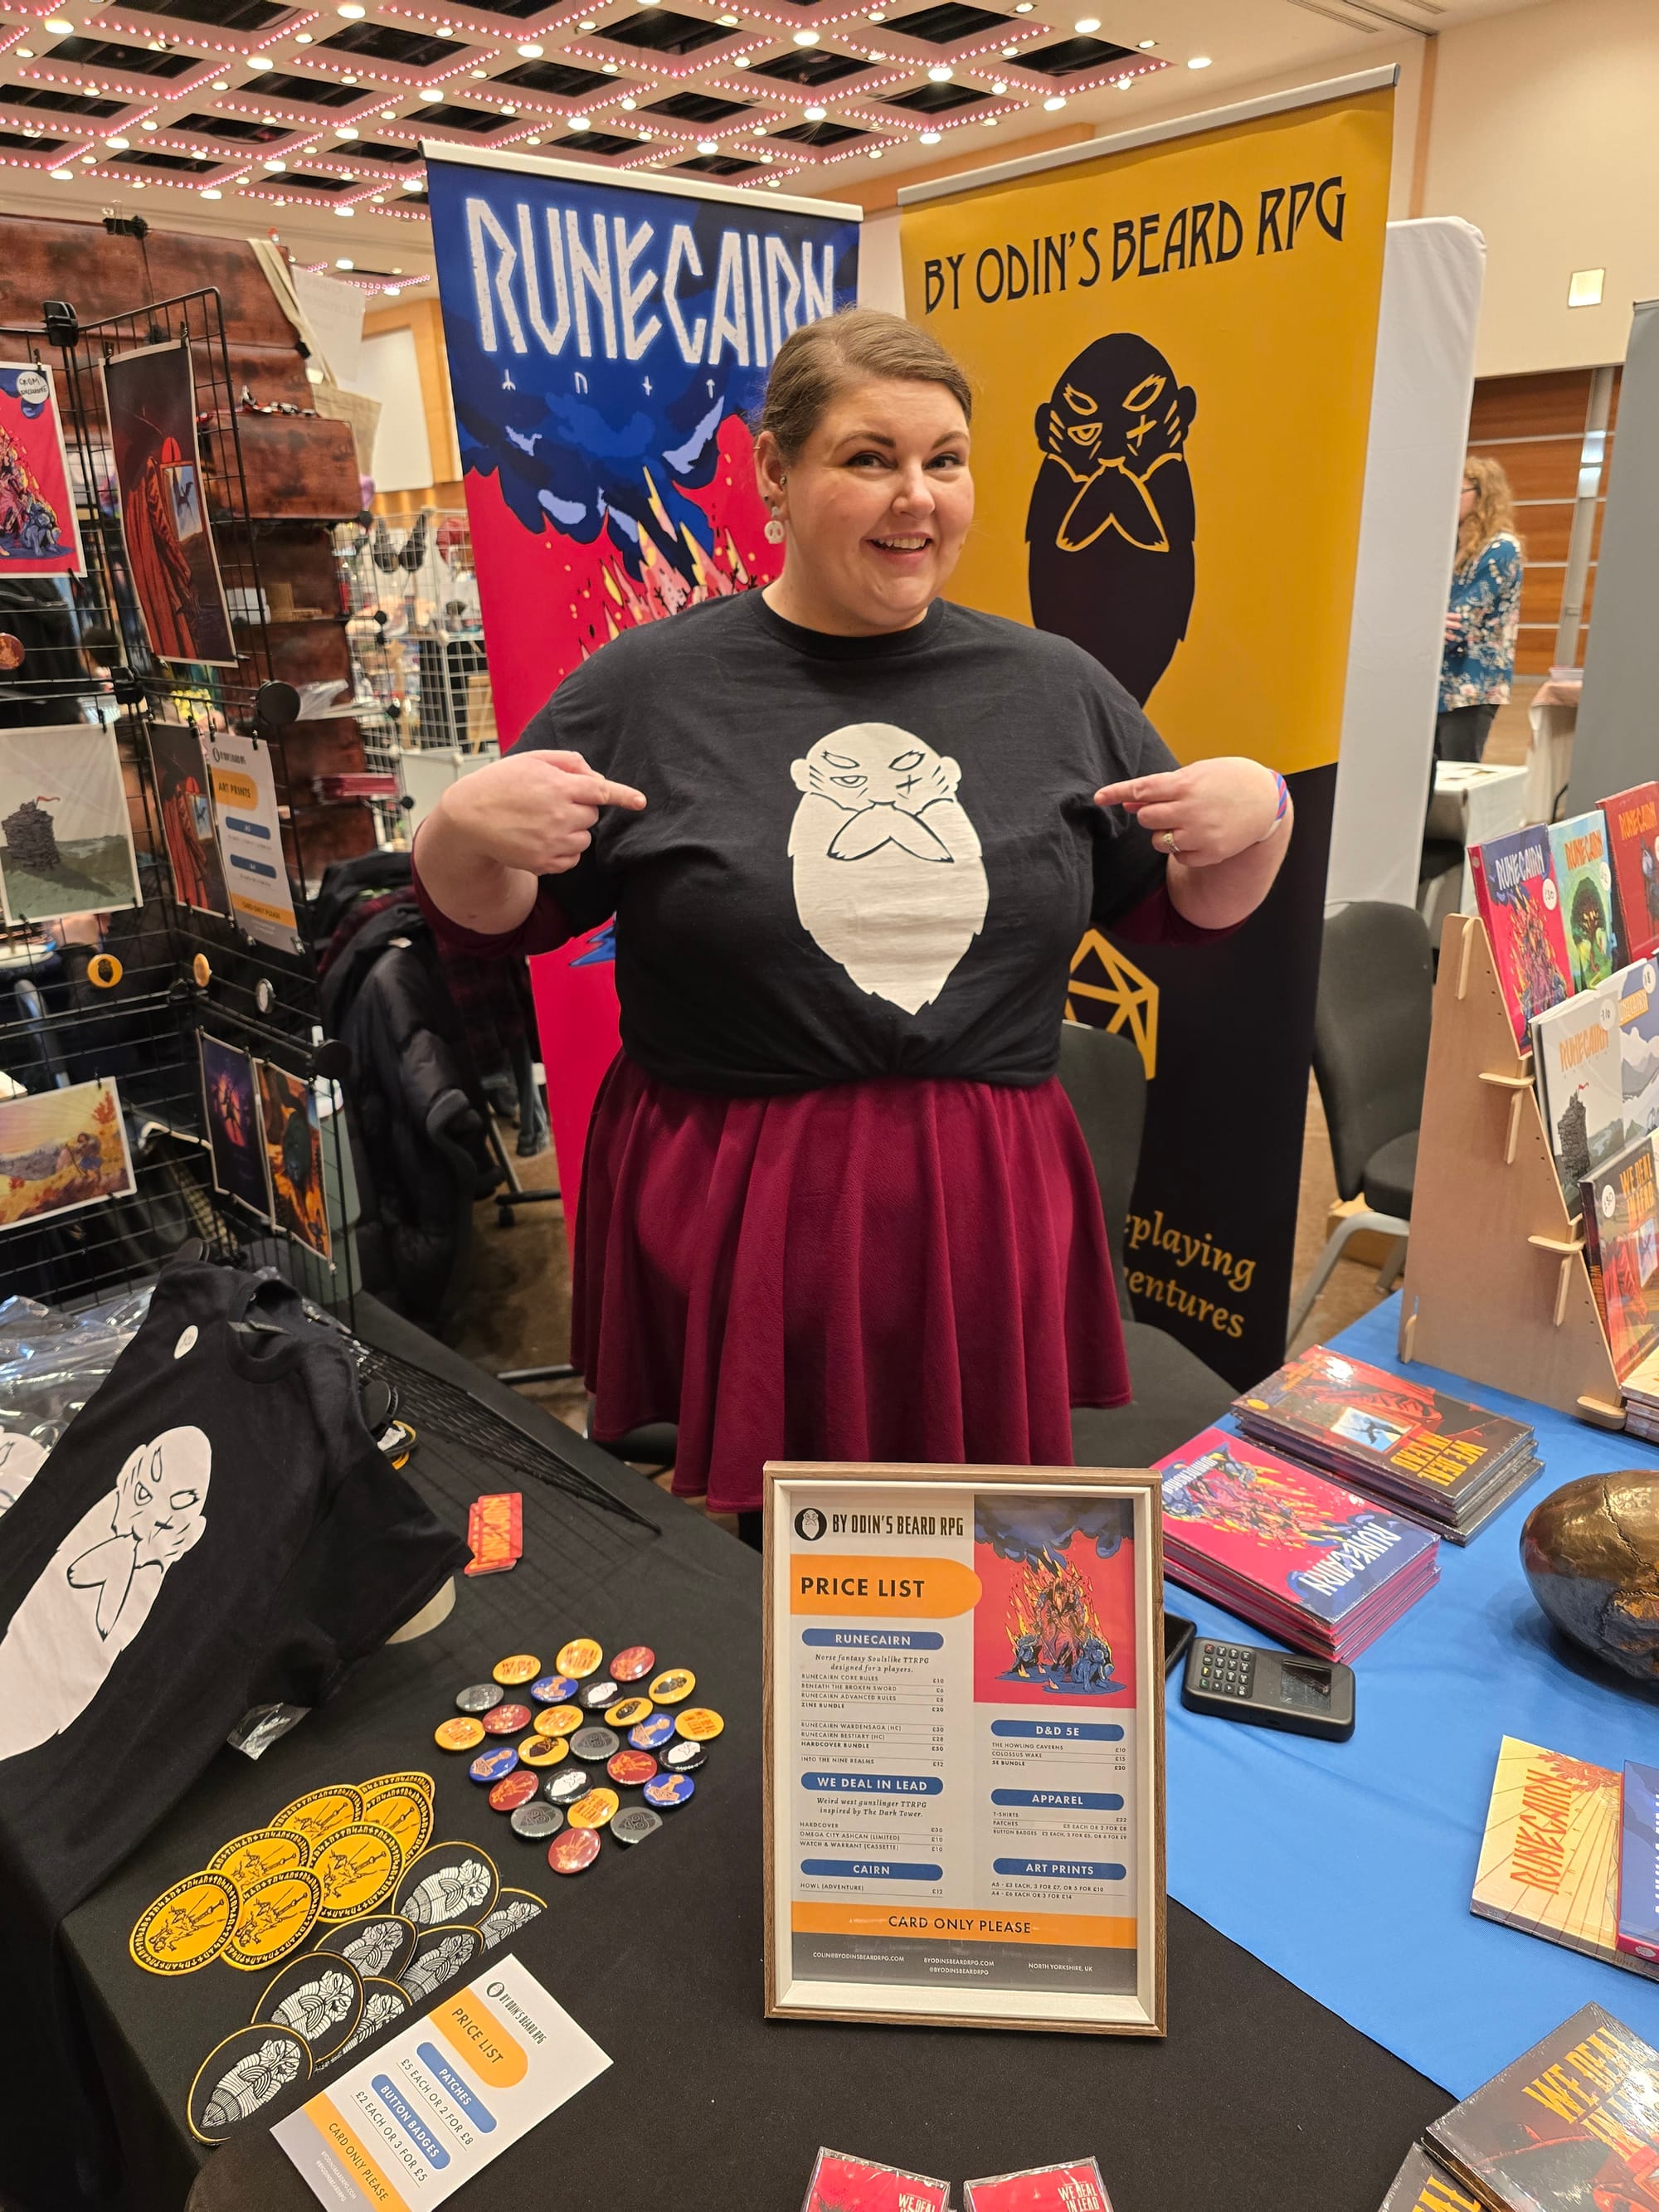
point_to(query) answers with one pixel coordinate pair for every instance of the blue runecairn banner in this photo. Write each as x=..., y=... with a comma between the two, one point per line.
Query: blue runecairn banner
x=608, y=346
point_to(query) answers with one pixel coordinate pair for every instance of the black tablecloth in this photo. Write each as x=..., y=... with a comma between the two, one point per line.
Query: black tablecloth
x=1258, y=2101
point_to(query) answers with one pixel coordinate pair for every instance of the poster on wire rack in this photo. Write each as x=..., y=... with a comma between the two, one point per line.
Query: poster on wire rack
x=39, y=532
x=609, y=339
x=250, y=826
x=1178, y=334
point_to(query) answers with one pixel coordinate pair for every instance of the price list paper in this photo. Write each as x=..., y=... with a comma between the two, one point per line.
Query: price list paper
x=965, y=1750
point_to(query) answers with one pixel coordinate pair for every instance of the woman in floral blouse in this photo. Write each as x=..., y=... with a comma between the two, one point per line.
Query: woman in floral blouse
x=1484, y=615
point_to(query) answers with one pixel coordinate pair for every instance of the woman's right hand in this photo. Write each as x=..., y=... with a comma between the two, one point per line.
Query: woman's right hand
x=532, y=810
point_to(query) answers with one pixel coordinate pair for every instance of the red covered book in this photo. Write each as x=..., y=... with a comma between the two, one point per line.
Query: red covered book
x=1633, y=848
x=1515, y=891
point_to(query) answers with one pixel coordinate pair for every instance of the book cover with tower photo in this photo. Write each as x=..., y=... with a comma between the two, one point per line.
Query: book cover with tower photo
x=1583, y=877
x=1519, y=901
x=1633, y=820
x=1577, y=1057
x=1621, y=1247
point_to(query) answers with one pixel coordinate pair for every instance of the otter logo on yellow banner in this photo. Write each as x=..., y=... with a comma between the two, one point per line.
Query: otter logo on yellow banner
x=926, y=1589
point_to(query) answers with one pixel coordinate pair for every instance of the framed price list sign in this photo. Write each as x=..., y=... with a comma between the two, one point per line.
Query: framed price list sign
x=964, y=1747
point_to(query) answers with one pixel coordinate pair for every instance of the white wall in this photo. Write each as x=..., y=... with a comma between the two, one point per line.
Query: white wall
x=881, y=274
x=389, y=371
x=1193, y=98
x=1545, y=137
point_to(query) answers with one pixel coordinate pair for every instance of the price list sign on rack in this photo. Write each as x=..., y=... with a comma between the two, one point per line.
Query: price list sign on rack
x=964, y=1751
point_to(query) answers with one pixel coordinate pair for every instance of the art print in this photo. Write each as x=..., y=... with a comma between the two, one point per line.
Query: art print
x=231, y=1105
x=294, y=1157
x=39, y=533
x=65, y=832
x=150, y=398
x=1056, y=1618
x=61, y=1149
x=184, y=796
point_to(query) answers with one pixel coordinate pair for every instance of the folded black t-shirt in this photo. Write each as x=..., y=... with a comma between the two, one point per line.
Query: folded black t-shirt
x=862, y=856
x=215, y=1531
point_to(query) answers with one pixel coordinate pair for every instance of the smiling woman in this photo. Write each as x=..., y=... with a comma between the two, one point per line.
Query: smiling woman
x=835, y=1204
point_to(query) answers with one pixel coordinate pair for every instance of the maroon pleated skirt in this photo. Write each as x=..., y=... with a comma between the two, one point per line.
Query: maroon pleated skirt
x=891, y=1270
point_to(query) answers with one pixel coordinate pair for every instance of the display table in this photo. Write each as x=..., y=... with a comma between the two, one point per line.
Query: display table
x=1472, y=803
x=1553, y=714
x=1259, y=2098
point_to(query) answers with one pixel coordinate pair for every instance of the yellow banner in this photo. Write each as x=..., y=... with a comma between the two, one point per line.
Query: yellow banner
x=1172, y=352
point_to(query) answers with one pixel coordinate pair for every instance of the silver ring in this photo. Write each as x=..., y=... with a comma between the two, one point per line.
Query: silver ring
x=1170, y=845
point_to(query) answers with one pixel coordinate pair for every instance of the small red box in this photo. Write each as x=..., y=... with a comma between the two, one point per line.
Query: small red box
x=495, y=1528
x=1076, y=2187
x=840, y=2183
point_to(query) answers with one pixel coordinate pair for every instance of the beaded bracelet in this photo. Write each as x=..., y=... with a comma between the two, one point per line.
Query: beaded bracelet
x=1281, y=811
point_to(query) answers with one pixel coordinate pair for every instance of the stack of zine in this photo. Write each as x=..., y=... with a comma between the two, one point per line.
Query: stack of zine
x=1318, y=1567
x=1437, y=1460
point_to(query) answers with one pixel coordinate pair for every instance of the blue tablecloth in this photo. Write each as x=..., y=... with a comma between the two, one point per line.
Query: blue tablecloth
x=1347, y=1867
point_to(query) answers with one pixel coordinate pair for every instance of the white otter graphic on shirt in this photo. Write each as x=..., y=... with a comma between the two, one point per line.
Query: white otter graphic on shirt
x=95, y=1594
x=888, y=878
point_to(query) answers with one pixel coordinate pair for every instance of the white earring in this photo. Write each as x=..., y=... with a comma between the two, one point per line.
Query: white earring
x=774, y=531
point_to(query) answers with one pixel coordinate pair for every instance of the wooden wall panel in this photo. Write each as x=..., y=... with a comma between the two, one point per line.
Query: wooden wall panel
x=1546, y=529
x=1529, y=406
x=1541, y=588
x=1539, y=468
x=1535, y=426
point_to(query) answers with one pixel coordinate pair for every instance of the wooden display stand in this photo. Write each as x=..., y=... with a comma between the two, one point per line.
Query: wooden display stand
x=1497, y=1287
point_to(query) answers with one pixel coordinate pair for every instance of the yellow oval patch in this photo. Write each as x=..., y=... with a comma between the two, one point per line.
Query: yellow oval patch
x=187, y=1926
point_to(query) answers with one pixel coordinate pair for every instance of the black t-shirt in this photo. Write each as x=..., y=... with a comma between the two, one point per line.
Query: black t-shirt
x=862, y=856
x=215, y=1531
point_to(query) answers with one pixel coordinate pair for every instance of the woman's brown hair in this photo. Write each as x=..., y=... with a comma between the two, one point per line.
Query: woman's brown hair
x=819, y=360
x=1492, y=514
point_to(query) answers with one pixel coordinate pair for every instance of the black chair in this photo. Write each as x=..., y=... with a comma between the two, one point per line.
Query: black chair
x=1370, y=1057
x=1176, y=1395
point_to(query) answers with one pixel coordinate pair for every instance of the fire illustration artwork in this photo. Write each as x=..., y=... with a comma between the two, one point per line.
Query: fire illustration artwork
x=1055, y=1633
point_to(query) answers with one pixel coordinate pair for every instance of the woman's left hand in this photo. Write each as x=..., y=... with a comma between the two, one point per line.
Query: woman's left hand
x=1204, y=813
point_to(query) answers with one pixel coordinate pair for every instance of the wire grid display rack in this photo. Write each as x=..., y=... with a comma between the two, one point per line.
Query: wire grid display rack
x=128, y=994
x=417, y=636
